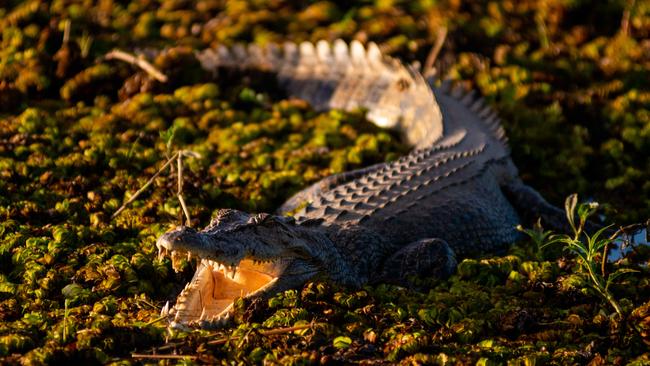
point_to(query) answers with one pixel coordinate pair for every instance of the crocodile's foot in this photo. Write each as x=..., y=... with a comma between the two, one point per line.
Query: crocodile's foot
x=423, y=259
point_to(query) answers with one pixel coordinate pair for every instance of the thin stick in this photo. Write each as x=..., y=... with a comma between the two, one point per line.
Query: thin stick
x=158, y=319
x=180, y=188
x=162, y=357
x=225, y=340
x=66, y=31
x=138, y=61
x=150, y=304
x=145, y=186
x=265, y=333
x=623, y=230
x=625, y=20
x=428, y=69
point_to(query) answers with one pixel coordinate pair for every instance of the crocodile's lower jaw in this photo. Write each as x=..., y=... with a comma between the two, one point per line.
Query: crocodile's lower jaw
x=209, y=296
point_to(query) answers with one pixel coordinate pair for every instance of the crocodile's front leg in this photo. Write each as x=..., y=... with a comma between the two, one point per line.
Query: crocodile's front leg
x=530, y=205
x=423, y=258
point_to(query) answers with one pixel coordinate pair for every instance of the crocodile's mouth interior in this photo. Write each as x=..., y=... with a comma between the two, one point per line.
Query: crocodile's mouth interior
x=214, y=288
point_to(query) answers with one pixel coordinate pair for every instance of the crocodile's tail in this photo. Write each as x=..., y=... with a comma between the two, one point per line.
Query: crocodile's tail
x=344, y=77
x=485, y=116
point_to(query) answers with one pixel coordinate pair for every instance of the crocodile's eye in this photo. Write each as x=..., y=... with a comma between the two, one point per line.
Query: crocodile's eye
x=227, y=219
x=402, y=84
x=259, y=219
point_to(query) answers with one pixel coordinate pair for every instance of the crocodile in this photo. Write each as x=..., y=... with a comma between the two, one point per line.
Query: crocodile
x=456, y=194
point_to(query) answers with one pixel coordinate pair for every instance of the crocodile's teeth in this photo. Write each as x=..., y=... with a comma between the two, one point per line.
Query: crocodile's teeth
x=176, y=263
x=165, y=310
x=189, y=256
x=220, y=320
x=203, y=315
x=161, y=252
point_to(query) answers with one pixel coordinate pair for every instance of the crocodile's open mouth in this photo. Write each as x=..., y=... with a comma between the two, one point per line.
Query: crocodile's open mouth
x=210, y=295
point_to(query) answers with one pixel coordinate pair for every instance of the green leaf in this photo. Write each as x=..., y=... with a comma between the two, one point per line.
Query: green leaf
x=599, y=245
x=618, y=273
x=585, y=210
x=342, y=342
x=600, y=232
x=168, y=136
x=72, y=290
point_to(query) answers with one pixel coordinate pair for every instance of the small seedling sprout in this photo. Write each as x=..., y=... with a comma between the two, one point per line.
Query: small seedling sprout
x=590, y=250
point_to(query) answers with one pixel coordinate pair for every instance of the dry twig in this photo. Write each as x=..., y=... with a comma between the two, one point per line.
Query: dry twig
x=179, y=194
x=162, y=357
x=178, y=156
x=138, y=61
x=625, y=230
x=66, y=31
x=145, y=186
x=627, y=14
x=428, y=69
x=265, y=333
x=219, y=341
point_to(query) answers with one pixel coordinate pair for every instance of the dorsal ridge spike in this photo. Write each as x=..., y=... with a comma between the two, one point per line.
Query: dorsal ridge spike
x=346, y=76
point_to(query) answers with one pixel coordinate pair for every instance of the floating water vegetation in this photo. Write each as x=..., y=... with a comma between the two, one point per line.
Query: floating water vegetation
x=81, y=132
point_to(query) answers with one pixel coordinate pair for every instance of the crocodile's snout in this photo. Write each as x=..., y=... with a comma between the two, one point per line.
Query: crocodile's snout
x=181, y=238
x=180, y=242
x=185, y=241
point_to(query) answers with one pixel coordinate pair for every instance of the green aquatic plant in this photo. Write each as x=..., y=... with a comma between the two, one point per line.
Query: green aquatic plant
x=541, y=239
x=589, y=250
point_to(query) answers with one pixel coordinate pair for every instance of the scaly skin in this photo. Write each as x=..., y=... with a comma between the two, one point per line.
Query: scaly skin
x=455, y=195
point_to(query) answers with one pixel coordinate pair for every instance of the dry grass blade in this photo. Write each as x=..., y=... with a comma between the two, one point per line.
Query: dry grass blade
x=145, y=186
x=66, y=31
x=626, y=230
x=162, y=357
x=428, y=69
x=180, y=189
x=225, y=340
x=138, y=61
x=625, y=20
x=265, y=333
